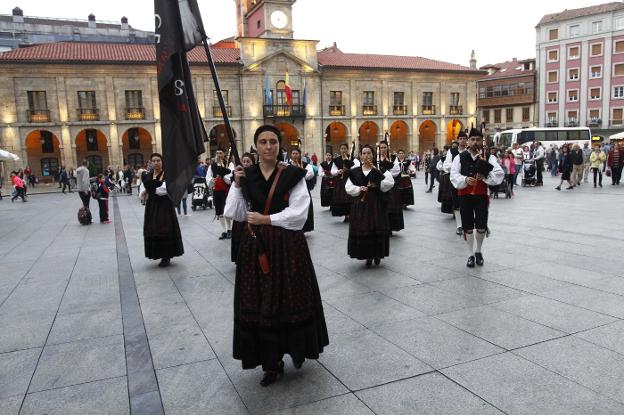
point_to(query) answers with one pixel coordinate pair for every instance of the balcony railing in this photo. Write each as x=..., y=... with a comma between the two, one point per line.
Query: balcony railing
x=217, y=113
x=88, y=114
x=337, y=110
x=571, y=124
x=552, y=123
x=38, y=115
x=456, y=109
x=428, y=110
x=369, y=109
x=286, y=111
x=399, y=109
x=135, y=113
x=594, y=123
x=616, y=122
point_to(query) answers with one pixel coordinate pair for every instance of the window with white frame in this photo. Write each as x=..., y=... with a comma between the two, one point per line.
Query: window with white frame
x=572, y=116
x=597, y=26
x=553, y=55
x=574, y=30
x=619, y=23
x=595, y=71
x=574, y=52
x=594, y=93
x=618, y=92
x=618, y=46
x=573, y=95
x=573, y=74
x=552, y=116
x=616, y=117
x=594, y=115
x=618, y=69
x=553, y=76
x=552, y=97
x=553, y=34
x=596, y=49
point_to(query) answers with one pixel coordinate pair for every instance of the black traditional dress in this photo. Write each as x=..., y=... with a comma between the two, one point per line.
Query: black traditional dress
x=328, y=183
x=161, y=231
x=447, y=194
x=237, y=234
x=395, y=204
x=279, y=313
x=369, y=230
x=309, y=178
x=341, y=201
x=405, y=183
x=220, y=188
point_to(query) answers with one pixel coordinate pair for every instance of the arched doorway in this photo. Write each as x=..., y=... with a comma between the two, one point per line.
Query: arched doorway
x=136, y=144
x=426, y=136
x=91, y=144
x=219, y=139
x=335, y=134
x=43, y=154
x=452, y=130
x=368, y=133
x=290, y=135
x=398, y=136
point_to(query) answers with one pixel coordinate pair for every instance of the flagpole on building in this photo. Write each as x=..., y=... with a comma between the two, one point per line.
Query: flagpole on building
x=215, y=80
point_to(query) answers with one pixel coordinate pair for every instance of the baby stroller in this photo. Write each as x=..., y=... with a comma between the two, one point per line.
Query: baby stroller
x=530, y=173
x=503, y=187
x=200, y=194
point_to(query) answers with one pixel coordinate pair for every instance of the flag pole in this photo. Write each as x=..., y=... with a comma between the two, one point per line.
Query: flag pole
x=215, y=80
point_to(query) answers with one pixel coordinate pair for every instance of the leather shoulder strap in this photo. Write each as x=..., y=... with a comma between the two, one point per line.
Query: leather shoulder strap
x=267, y=204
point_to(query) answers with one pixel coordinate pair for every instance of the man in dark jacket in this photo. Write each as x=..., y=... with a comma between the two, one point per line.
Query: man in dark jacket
x=577, y=159
x=615, y=161
x=433, y=170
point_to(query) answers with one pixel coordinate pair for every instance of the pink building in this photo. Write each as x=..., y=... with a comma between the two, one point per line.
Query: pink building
x=580, y=67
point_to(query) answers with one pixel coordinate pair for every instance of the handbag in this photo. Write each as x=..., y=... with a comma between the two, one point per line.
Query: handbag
x=608, y=172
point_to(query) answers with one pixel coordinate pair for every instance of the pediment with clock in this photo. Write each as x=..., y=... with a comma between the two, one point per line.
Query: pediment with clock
x=264, y=18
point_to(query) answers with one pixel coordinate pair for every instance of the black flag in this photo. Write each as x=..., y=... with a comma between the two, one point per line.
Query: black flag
x=178, y=25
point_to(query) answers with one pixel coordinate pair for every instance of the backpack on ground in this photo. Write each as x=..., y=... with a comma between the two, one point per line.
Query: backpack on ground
x=84, y=216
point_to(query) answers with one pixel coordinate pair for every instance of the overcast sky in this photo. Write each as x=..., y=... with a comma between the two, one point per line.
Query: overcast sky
x=445, y=30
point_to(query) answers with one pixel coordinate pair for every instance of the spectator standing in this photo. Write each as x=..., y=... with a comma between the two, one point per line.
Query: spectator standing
x=508, y=163
x=82, y=183
x=101, y=194
x=538, y=155
x=616, y=158
x=518, y=159
x=565, y=167
x=433, y=169
x=597, y=159
x=20, y=187
x=576, y=156
x=65, y=180
x=587, y=152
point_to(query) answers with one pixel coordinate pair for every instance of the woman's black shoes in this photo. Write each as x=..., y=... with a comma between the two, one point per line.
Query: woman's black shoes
x=479, y=258
x=272, y=377
x=229, y=235
x=165, y=262
x=377, y=261
x=223, y=235
x=471, y=262
x=297, y=365
x=369, y=262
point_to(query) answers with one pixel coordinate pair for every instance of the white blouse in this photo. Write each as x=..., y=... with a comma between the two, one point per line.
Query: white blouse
x=292, y=218
x=334, y=169
x=386, y=184
x=495, y=177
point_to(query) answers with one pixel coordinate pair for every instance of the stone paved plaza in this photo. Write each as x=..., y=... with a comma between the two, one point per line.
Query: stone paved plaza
x=538, y=330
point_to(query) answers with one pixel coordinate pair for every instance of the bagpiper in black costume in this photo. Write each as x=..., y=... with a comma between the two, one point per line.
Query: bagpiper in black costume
x=341, y=201
x=448, y=194
x=471, y=175
x=395, y=204
x=369, y=230
x=328, y=181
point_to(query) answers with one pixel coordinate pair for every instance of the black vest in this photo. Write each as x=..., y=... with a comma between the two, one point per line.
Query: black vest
x=454, y=153
x=343, y=164
x=470, y=167
x=219, y=170
x=359, y=179
x=327, y=166
x=258, y=188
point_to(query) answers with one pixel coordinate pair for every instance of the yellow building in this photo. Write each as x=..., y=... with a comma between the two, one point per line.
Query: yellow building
x=63, y=102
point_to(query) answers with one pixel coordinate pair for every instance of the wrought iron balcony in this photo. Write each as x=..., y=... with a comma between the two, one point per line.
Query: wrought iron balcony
x=135, y=113
x=337, y=110
x=88, y=114
x=399, y=109
x=428, y=110
x=571, y=124
x=552, y=123
x=216, y=111
x=38, y=115
x=594, y=122
x=616, y=122
x=456, y=109
x=284, y=111
x=369, y=109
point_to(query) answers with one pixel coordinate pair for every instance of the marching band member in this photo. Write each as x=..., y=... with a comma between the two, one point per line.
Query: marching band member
x=217, y=170
x=341, y=201
x=369, y=229
x=471, y=175
x=450, y=197
x=295, y=160
x=395, y=205
x=328, y=181
x=277, y=303
x=247, y=160
x=405, y=183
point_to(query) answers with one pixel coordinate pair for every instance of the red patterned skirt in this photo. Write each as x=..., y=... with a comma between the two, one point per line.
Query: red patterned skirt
x=280, y=313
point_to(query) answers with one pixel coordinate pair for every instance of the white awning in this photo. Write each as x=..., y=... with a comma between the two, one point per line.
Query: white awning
x=7, y=156
x=617, y=136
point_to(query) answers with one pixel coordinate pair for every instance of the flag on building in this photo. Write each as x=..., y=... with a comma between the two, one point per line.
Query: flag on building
x=304, y=97
x=268, y=97
x=288, y=89
x=178, y=25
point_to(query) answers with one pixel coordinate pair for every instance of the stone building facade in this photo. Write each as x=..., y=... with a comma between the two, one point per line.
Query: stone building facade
x=100, y=100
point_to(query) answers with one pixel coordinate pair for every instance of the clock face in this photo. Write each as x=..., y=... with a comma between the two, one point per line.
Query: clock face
x=279, y=19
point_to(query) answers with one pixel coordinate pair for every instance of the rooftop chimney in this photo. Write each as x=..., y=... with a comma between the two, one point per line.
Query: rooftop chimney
x=18, y=15
x=473, y=60
x=92, y=21
x=124, y=23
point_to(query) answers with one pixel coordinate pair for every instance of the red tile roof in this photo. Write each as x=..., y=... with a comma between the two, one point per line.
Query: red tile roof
x=584, y=11
x=108, y=53
x=334, y=57
x=508, y=69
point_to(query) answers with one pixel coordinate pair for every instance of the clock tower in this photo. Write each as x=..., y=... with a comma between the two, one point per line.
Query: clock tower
x=264, y=18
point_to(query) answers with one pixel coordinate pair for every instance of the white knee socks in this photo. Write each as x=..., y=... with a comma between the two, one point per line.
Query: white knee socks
x=457, y=218
x=469, y=237
x=479, y=237
x=226, y=223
